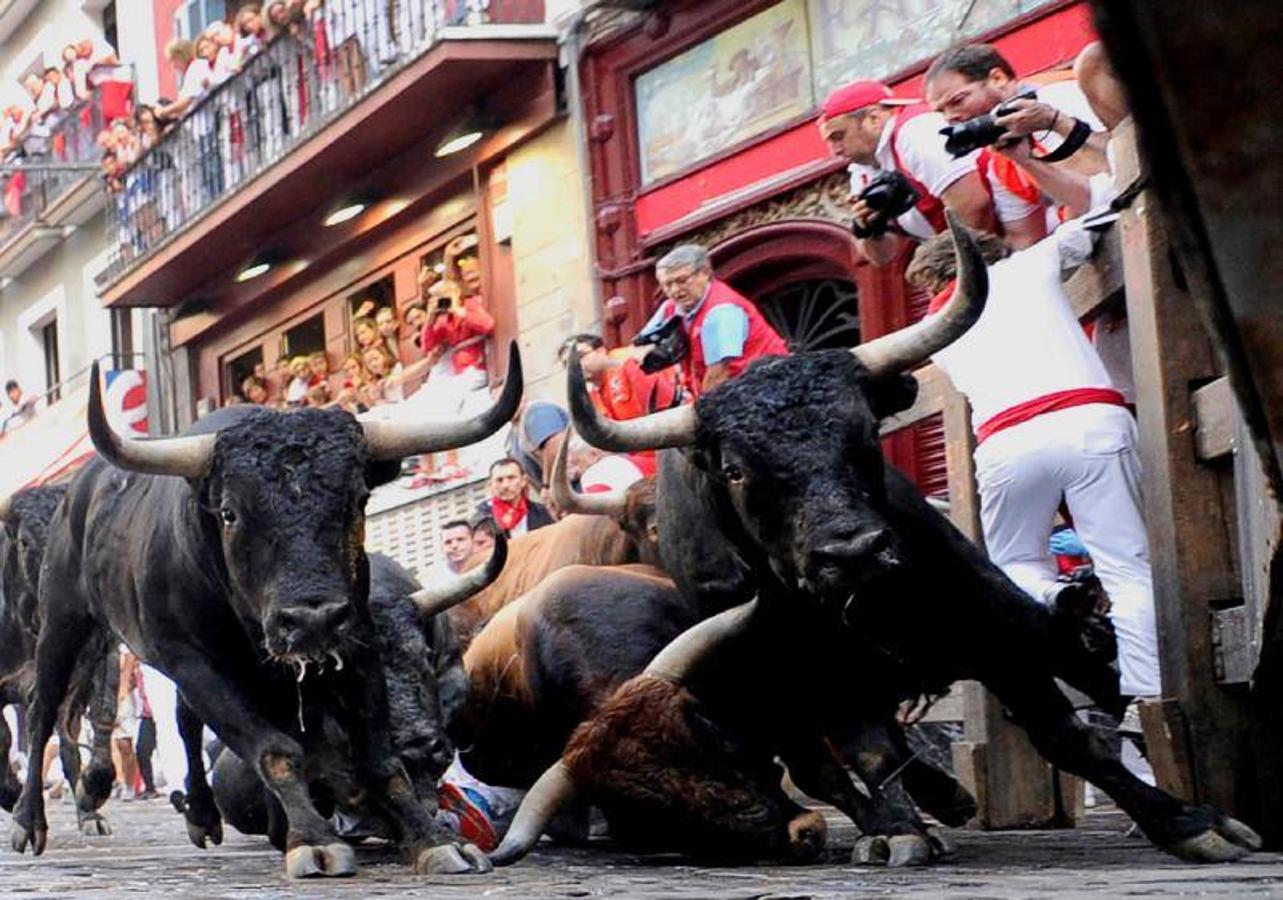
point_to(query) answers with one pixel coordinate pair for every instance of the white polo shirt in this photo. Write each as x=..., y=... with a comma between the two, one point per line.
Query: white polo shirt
x=920, y=147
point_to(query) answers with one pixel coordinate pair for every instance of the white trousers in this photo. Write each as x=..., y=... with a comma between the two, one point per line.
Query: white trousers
x=1087, y=456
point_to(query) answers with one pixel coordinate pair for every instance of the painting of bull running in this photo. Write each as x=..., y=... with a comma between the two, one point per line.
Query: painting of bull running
x=777, y=65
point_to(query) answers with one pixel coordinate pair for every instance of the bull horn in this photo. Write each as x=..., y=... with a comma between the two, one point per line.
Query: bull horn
x=678, y=660
x=433, y=600
x=6, y=506
x=568, y=500
x=396, y=440
x=554, y=789
x=905, y=349
x=187, y=457
x=671, y=428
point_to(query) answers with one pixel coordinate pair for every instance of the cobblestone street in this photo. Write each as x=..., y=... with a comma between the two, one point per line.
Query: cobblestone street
x=149, y=856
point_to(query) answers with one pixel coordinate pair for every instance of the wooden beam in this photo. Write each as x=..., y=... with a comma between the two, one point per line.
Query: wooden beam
x=933, y=387
x=1188, y=526
x=1098, y=282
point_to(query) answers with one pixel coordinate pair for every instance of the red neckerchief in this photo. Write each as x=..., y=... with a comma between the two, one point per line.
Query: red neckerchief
x=939, y=300
x=509, y=515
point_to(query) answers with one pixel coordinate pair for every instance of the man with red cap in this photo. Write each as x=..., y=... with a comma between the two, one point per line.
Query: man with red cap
x=875, y=132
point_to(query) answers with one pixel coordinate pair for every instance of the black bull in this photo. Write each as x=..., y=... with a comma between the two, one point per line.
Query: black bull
x=783, y=464
x=26, y=517
x=231, y=580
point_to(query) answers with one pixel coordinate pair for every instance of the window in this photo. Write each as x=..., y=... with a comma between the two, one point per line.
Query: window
x=364, y=302
x=53, y=372
x=191, y=18
x=122, y=337
x=241, y=368
x=306, y=337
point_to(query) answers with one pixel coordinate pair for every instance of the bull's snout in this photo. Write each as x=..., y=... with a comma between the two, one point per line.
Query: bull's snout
x=309, y=626
x=848, y=558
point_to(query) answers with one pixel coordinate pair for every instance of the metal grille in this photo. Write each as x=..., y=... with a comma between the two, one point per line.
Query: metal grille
x=408, y=533
x=814, y=315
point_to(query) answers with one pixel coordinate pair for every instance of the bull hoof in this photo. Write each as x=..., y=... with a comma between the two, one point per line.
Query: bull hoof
x=21, y=838
x=451, y=859
x=942, y=845
x=94, y=825
x=908, y=850
x=329, y=861
x=871, y=850
x=1228, y=840
x=199, y=834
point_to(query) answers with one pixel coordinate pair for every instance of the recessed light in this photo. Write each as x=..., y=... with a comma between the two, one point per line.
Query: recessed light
x=458, y=141
x=343, y=214
x=253, y=271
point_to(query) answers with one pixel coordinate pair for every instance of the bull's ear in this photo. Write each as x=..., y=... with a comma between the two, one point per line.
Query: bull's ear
x=890, y=394
x=382, y=471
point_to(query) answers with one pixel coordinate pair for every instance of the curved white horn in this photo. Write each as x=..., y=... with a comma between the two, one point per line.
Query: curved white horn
x=554, y=789
x=904, y=349
x=433, y=600
x=568, y=500
x=397, y=440
x=671, y=428
x=678, y=660
x=188, y=457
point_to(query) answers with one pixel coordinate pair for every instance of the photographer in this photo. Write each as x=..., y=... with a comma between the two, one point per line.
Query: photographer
x=454, y=344
x=1035, y=142
x=902, y=178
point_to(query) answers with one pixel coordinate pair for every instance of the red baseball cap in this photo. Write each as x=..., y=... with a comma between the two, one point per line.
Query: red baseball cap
x=856, y=96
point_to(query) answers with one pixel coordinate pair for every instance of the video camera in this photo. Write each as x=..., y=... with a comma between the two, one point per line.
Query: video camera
x=982, y=131
x=889, y=194
x=669, y=345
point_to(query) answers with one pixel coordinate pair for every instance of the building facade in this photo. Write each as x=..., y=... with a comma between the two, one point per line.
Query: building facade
x=701, y=121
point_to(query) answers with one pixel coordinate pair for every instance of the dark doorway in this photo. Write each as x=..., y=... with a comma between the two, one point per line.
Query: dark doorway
x=815, y=314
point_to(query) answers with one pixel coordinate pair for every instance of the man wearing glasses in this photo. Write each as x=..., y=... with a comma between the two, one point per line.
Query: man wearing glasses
x=724, y=330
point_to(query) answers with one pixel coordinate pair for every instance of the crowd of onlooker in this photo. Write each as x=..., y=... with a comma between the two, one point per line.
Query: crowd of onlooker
x=61, y=112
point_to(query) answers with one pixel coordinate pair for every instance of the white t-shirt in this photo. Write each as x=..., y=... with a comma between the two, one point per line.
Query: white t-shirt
x=196, y=79
x=921, y=148
x=1028, y=342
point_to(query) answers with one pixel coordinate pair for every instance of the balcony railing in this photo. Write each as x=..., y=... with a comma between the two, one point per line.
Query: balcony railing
x=61, y=153
x=285, y=93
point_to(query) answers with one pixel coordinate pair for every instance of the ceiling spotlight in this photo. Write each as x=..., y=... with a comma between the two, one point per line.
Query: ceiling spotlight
x=344, y=214
x=252, y=271
x=458, y=140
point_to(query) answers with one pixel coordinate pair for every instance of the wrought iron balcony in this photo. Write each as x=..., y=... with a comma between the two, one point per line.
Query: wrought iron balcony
x=49, y=183
x=288, y=92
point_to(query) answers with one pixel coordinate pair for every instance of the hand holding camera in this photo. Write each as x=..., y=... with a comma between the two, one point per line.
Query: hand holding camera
x=989, y=129
x=887, y=195
x=445, y=296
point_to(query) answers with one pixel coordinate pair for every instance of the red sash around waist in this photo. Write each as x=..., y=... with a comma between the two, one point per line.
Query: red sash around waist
x=1023, y=412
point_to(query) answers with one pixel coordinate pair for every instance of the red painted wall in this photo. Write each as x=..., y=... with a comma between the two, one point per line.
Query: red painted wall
x=163, y=12
x=1042, y=44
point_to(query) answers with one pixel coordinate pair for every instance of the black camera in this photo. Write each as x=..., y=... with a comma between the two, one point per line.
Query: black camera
x=443, y=304
x=888, y=194
x=669, y=345
x=982, y=131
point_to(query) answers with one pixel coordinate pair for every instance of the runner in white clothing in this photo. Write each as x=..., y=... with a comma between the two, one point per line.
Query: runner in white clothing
x=1050, y=426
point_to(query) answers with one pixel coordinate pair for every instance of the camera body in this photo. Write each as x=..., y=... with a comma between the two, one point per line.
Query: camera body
x=982, y=131
x=669, y=345
x=889, y=194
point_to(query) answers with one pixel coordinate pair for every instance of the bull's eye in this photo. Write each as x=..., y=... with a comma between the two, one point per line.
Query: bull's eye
x=733, y=473
x=228, y=515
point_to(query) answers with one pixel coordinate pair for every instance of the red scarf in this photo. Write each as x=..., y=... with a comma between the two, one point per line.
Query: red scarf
x=509, y=515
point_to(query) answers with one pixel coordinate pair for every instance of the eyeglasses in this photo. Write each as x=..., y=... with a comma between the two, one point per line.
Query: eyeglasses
x=670, y=283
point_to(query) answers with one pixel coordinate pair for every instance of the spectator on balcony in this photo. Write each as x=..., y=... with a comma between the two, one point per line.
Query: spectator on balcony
x=193, y=73
x=296, y=392
x=509, y=504
x=19, y=408
x=384, y=371
x=416, y=316
x=318, y=395
x=251, y=33
x=225, y=63
x=354, y=372
x=389, y=330
x=255, y=390
x=365, y=330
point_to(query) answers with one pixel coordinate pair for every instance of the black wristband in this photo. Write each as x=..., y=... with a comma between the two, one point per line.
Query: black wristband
x=1077, y=136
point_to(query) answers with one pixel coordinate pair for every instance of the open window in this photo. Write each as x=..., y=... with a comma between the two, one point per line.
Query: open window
x=241, y=368
x=305, y=338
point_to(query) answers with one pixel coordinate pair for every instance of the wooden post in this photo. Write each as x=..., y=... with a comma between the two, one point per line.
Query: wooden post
x=1188, y=525
x=1013, y=786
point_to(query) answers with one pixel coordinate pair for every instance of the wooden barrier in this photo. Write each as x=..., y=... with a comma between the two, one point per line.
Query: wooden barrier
x=1013, y=786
